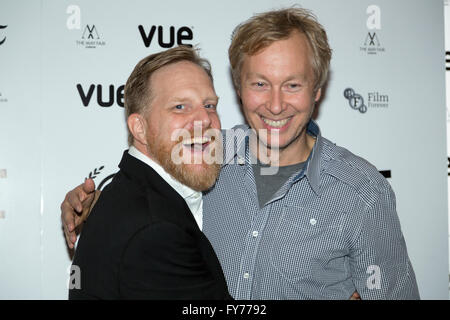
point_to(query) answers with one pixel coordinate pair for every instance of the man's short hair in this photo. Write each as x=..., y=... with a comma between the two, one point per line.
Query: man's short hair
x=263, y=29
x=138, y=93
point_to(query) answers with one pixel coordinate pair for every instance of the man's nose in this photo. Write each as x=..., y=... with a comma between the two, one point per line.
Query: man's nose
x=203, y=117
x=276, y=101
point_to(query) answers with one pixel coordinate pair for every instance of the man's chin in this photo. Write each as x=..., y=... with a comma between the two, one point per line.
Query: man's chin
x=199, y=177
x=196, y=174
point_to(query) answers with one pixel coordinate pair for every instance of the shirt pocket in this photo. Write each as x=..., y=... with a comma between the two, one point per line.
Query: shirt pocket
x=305, y=241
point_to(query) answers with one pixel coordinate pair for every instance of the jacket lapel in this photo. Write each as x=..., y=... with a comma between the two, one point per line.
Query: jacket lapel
x=168, y=203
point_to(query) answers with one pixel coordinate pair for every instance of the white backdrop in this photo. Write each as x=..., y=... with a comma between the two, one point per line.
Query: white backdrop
x=62, y=65
x=447, y=81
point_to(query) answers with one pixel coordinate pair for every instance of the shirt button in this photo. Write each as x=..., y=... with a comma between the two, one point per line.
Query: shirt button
x=255, y=234
x=241, y=161
x=246, y=275
x=313, y=221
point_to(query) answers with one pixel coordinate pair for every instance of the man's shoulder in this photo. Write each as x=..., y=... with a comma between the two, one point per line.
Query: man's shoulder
x=353, y=170
x=121, y=197
x=121, y=209
x=128, y=205
x=120, y=212
x=236, y=134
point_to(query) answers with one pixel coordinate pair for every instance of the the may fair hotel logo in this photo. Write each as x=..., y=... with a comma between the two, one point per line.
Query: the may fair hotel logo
x=372, y=43
x=89, y=35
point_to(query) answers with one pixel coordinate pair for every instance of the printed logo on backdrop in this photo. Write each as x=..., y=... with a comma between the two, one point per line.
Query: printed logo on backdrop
x=101, y=95
x=447, y=60
x=89, y=36
x=448, y=166
x=374, y=99
x=386, y=173
x=166, y=37
x=90, y=39
x=104, y=181
x=447, y=68
x=372, y=44
x=2, y=40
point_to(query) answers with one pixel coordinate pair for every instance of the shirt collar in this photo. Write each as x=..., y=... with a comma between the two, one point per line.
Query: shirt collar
x=312, y=171
x=182, y=189
x=234, y=143
x=235, y=149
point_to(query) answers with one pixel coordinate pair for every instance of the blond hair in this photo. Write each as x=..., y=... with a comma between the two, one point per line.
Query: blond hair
x=263, y=29
x=138, y=89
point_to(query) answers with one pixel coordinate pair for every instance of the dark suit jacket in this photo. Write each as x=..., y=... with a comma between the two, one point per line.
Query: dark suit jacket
x=142, y=242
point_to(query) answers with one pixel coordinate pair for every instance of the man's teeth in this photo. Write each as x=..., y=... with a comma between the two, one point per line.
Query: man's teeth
x=196, y=140
x=276, y=124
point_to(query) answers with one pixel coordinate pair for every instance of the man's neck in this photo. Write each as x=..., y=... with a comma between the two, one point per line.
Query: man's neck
x=143, y=149
x=296, y=152
x=177, y=185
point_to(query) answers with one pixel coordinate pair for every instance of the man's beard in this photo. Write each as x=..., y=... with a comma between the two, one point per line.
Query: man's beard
x=199, y=179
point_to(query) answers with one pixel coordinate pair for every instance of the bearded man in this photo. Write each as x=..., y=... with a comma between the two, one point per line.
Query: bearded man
x=144, y=240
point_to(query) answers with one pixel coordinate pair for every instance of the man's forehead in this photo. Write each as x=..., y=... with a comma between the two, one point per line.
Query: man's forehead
x=268, y=43
x=188, y=92
x=189, y=97
x=175, y=79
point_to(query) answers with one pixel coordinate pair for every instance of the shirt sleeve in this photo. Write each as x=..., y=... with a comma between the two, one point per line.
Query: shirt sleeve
x=379, y=262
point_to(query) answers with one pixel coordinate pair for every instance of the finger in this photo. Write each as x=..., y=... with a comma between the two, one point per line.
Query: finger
x=75, y=197
x=68, y=238
x=86, y=195
x=88, y=186
x=355, y=296
x=73, y=234
x=68, y=216
x=73, y=239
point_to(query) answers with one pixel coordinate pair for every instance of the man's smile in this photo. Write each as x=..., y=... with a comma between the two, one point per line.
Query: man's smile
x=196, y=144
x=276, y=124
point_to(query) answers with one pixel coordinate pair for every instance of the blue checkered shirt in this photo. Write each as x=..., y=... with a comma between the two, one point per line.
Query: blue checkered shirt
x=331, y=229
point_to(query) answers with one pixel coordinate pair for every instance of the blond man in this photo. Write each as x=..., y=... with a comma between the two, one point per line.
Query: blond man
x=324, y=226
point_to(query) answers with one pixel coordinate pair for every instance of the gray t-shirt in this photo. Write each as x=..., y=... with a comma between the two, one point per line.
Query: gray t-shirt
x=268, y=185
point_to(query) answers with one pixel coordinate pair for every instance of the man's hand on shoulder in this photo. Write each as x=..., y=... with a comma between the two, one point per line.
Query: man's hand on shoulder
x=76, y=207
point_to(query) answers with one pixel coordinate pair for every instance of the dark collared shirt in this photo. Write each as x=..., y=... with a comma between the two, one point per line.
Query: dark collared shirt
x=331, y=229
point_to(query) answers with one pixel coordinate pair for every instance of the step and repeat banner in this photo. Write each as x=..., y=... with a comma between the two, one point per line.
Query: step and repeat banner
x=63, y=66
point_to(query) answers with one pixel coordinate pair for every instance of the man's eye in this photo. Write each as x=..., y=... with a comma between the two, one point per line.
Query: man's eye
x=293, y=86
x=179, y=106
x=258, y=85
x=210, y=106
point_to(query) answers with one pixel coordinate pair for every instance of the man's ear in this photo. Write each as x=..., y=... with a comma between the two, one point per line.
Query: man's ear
x=318, y=95
x=138, y=127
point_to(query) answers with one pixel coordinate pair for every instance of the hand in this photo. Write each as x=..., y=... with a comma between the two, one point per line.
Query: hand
x=75, y=209
x=355, y=296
